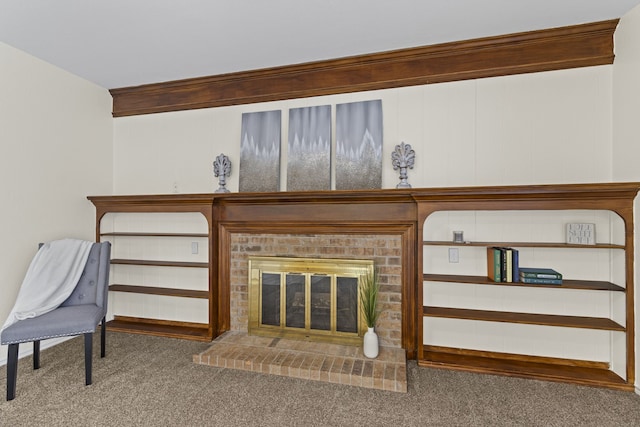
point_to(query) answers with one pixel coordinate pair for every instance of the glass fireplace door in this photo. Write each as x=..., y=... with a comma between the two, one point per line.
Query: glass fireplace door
x=306, y=298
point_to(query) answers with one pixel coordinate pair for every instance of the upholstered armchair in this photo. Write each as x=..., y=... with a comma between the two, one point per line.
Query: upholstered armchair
x=80, y=313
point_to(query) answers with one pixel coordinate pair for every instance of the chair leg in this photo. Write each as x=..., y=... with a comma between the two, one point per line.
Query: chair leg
x=36, y=354
x=88, y=353
x=103, y=337
x=12, y=371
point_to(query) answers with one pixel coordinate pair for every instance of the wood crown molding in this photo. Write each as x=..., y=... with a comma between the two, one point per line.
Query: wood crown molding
x=534, y=51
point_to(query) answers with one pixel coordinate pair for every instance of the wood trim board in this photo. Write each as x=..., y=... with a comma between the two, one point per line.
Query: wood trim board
x=543, y=50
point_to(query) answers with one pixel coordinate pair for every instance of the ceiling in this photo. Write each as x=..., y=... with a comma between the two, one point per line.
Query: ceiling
x=120, y=43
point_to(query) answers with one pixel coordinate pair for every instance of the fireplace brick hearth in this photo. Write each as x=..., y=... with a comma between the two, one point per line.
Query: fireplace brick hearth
x=324, y=362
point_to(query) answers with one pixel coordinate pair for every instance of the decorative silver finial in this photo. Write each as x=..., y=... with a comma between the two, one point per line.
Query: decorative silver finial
x=402, y=158
x=222, y=169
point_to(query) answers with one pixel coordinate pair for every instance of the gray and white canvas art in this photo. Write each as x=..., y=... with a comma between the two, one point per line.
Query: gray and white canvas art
x=260, y=151
x=309, y=149
x=359, y=145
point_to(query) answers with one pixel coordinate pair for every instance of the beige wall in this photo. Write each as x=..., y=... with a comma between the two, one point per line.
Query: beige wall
x=626, y=99
x=55, y=149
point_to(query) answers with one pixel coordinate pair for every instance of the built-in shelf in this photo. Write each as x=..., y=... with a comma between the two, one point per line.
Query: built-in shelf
x=197, y=207
x=160, y=263
x=149, y=290
x=524, y=244
x=526, y=318
x=542, y=368
x=405, y=212
x=591, y=285
x=547, y=209
x=163, y=328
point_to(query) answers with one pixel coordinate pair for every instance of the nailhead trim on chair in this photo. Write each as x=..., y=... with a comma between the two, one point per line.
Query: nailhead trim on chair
x=47, y=337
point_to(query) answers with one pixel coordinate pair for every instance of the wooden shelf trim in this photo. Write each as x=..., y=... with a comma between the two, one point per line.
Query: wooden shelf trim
x=547, y=360
x=542, y=197
x=159, y=327
x=525, y=244
x=123, y=234
x=149, y=290
x=549, y=369
x=160, y=263
x=153, y=202
x=591, y=285
x=523, y=318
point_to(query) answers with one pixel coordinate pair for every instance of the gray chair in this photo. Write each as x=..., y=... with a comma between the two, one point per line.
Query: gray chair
x=81, y=313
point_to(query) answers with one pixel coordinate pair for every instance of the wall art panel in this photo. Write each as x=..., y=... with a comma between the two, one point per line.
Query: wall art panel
x=359, y=145
x=260, y=151
x=309, y=149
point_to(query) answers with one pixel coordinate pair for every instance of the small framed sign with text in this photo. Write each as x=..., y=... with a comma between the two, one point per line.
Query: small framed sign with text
x=581, y=234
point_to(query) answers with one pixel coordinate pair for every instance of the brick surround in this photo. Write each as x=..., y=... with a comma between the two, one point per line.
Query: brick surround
x=384, y=250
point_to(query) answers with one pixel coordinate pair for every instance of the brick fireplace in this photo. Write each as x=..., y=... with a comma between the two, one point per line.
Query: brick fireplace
x=384, y=250
x=333, y=225
x=315, y=360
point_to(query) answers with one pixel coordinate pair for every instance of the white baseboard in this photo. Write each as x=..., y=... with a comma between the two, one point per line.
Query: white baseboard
x=26, y=349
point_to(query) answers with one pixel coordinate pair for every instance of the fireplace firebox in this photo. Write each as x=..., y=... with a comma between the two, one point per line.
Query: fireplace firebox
x=306, y=298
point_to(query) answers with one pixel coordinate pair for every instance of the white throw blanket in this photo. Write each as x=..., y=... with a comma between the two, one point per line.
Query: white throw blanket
x=52, y=276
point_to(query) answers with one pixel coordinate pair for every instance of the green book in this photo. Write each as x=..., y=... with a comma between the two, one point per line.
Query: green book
x=494, y=264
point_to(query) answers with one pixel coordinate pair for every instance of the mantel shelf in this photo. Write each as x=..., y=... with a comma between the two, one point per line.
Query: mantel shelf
x=591, y=285
x=524, y=244
x=524, y=318
x=160, y=263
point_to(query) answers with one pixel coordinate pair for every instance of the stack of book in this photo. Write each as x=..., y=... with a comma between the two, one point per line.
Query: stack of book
x=544, y=276
x=502, y=264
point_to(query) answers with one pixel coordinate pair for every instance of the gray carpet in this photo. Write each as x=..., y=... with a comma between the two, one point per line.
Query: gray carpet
x=150, y=381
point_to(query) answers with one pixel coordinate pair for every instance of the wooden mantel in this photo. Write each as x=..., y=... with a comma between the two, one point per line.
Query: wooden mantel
x=398, y=212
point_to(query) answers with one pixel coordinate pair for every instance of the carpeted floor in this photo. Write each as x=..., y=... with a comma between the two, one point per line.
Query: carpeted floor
x=150, y=381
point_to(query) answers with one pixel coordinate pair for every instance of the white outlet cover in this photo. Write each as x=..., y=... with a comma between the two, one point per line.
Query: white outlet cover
x=454, y=255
